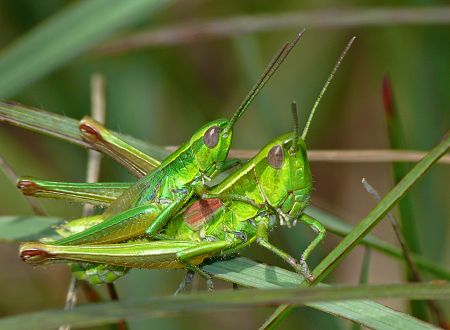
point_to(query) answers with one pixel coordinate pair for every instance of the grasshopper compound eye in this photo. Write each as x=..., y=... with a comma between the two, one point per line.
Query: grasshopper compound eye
x=275, y=157
x=211, y=136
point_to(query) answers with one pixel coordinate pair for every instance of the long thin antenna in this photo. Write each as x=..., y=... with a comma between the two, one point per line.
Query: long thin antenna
x=324, y=89
x=268, y=72
x=294, y=146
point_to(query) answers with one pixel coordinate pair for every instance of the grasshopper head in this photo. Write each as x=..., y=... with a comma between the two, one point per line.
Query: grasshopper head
x=210, y=145
x=284, y=176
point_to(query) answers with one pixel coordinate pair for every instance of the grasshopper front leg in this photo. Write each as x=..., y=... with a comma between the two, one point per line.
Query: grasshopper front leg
x=262, y=238
x=318, y=228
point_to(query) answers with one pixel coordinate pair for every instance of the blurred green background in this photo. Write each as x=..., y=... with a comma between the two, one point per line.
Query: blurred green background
x=162, y=93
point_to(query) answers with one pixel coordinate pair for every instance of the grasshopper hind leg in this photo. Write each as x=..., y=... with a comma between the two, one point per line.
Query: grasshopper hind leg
x=262, y=240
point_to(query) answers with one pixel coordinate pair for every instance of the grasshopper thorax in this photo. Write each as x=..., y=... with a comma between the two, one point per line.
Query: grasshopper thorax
x=210, y=146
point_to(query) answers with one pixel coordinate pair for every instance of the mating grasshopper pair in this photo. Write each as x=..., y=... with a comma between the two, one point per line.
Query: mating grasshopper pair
x=182, y=220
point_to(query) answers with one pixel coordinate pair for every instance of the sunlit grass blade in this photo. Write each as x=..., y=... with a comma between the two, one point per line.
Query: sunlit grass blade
x=62, y=127
x=65, y=36
x=378, y=213
x=358, y=310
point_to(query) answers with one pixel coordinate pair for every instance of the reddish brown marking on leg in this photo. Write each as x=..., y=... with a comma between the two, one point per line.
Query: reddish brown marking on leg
x=27, y=186
x=89, y=132
x=34, y=255
x=201, y=211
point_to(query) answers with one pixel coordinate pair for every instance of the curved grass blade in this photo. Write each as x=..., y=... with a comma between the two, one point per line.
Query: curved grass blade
x=66, y=35
x=63, y=128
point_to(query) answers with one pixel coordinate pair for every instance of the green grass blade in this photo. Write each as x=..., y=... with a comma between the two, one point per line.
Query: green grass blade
x=26, y=228
x=63, y=128
x=368, y=313
x=364, y=275
x=407, y=220
x=378, y=213
x=66, y=35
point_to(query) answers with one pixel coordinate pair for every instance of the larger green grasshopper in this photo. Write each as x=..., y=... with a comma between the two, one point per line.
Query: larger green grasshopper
x=146, y=207
x=276, y=183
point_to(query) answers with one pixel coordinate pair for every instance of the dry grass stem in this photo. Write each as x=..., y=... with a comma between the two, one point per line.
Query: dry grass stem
x=349, y=156
x=189, y=32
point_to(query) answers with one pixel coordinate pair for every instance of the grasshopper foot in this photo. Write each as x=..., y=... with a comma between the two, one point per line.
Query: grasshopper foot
x=304, y=270
x=185, y=283
x=210, y=284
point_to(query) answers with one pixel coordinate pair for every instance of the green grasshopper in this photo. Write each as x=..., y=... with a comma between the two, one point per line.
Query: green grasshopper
x=146, y=207
x=276, y=183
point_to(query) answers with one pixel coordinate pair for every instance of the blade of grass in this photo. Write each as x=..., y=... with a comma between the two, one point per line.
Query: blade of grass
x=364, y=275
x=96, y=314
x=26, y=228
x=66, y=35
x=63, y=128
x=407, y=225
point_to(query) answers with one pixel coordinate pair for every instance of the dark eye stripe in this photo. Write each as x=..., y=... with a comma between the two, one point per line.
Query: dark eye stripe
x=275, y=157
x=211, y=136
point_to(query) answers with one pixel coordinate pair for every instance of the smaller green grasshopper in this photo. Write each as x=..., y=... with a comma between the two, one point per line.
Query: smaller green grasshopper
x=276, y=183
x=150, y=203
